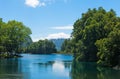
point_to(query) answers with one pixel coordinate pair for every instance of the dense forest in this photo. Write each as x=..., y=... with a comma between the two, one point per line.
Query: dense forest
x=96, y=37
x=42, y=47
x=13, y=35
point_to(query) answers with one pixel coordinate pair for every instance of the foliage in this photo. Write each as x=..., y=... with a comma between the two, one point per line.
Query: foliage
x=66, y=46
x=109, y=49
x=12, y=35
x=58, y=43
x=42, y=47
x=96, y=37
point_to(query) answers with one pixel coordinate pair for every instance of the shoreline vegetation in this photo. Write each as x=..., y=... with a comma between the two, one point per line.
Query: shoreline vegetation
x=14, y=38
x=41, y=47
x=96, y=38
x=9, y=55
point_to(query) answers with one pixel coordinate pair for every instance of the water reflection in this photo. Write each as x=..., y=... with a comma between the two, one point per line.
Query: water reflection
x=10, y=68
x=83, y=70
x=58, y=67
x=54, y=69
x=53, y=66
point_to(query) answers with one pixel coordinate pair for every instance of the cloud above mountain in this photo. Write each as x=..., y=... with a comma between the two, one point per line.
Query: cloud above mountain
x=53, y=36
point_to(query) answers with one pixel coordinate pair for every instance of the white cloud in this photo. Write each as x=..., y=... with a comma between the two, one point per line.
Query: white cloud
x=63, y=28
x=58, y=35
x=34, y=3
x=37, y=39
x=52, y=36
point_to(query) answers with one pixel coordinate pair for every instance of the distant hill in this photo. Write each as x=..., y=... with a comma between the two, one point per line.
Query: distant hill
x=58, y=43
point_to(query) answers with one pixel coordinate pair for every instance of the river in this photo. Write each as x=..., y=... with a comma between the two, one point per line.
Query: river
x=53, y=66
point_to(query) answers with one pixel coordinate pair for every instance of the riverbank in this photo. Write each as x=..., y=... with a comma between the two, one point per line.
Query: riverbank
x=9, y=55
x=60, y=52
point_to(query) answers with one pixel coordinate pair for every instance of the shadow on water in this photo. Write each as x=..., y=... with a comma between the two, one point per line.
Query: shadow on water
x=88, y=70
x=10, y=69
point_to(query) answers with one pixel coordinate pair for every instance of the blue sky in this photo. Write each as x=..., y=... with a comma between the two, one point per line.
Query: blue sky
x=51, y=18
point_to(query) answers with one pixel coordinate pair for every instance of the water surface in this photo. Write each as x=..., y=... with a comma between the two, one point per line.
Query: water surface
x=53, y=66
x=33, y=66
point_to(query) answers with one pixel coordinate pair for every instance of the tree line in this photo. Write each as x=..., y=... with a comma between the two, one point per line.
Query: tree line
x=96, y=37
x=42, y=47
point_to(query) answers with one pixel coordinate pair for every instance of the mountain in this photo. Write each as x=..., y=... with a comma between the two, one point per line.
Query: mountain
x=58, y=43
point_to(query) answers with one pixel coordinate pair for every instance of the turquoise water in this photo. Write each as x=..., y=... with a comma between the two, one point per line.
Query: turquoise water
x=52, y=66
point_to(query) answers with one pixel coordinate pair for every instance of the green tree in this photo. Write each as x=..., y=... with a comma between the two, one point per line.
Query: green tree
x=109, y=48
x=20, y=31
x=42, y=47
x=66, y=47
x=94, y=25
x=95, y=37
x=3, y=36
x=12, y=35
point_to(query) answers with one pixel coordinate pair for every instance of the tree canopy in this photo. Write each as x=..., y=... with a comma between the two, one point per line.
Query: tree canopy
x=96, y=37
x=12, y=35
x=42, y=47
